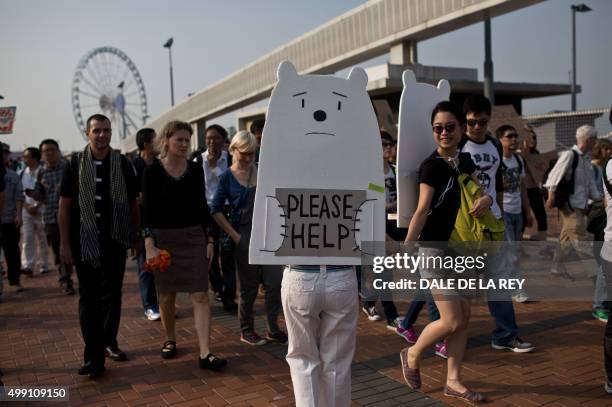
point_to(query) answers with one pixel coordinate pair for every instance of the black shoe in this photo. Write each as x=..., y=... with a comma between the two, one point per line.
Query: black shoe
x=168, y=350
x=115, y=354
x=91, y=370
x=211, y=362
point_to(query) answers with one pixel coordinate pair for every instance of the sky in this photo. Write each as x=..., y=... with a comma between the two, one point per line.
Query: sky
x=43, y=42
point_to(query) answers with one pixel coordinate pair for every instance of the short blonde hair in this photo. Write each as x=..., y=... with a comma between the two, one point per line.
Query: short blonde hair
x=244, y=142
x=169, y=129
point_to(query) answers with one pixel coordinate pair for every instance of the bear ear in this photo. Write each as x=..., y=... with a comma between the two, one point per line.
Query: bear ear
x=359, y=77
x=408, y=77
x=285, y=71
x=445, y=88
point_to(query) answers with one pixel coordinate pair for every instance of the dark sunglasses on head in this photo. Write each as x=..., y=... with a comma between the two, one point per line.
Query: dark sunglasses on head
x=474, y=122
x=449, y=127
x=511, y=135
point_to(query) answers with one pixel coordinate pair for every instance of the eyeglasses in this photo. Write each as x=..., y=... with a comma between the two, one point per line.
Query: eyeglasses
x=480, y=122
x=386, y=144
x=511, y=135
x=449, y=127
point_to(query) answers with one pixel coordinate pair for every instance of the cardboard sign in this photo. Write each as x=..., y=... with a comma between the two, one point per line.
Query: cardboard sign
x=7, y=119
x=319, y=222
x=319, y=165
x=415, y=141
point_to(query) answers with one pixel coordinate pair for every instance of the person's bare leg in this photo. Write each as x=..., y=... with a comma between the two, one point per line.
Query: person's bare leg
x=456, y=345
x=450, y=321
x=167, y=310
x=201, y=317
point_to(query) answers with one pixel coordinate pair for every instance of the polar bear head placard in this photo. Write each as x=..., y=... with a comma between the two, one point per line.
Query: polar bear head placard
x=320, y=187
x=415, y=140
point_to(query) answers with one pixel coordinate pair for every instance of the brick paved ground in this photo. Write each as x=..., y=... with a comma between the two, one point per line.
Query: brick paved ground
x=41, y=345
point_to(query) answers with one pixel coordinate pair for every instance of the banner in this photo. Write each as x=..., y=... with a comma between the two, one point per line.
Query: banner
x=7, y=119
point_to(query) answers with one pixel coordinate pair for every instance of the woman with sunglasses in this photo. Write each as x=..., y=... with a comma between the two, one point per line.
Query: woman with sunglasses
x=432, y=225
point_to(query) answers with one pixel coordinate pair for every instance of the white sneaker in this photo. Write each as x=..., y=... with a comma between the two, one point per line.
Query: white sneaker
x=152, y=315
x=520, y=296
x=371, y=312
x=608, y=387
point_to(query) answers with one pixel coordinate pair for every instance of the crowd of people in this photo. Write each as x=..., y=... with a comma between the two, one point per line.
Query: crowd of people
x=92, y=207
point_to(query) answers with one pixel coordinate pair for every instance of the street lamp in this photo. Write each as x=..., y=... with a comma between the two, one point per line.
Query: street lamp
x=168, y=45
x=580, y=8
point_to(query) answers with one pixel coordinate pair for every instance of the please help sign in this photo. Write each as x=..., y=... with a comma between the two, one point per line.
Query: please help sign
x=7, y=119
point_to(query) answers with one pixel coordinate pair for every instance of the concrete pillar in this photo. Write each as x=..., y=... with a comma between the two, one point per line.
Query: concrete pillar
x=489, y=90
x=199, y=134
x=404, y=53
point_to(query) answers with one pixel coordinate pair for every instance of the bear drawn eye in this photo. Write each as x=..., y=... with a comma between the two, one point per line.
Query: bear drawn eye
x=339, y=101
x=302, y=103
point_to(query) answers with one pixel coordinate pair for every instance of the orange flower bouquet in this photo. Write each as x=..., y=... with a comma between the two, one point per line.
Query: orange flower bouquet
x=161, y=262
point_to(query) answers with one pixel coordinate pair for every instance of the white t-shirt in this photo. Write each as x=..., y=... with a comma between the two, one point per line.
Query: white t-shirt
x=28, y=181
x=486, y=157
x=390, y=187
x=512, y=185
x=606, y=249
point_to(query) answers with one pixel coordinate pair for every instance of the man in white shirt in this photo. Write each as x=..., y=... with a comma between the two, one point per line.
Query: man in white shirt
x=486, y=154
x=33, y=231
x=574, y=163
x=606, y=257
x=215, y=161
x=515, y=197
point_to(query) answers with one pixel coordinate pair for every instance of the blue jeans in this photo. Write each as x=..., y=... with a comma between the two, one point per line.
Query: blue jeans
x=146, y=283
x=514, y=226
x=501, y=310
x=415, y=308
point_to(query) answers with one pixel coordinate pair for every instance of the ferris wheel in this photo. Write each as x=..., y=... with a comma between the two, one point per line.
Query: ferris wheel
x=106, y=81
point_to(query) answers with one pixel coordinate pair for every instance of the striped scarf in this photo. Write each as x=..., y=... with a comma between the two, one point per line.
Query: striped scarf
x=120, y=217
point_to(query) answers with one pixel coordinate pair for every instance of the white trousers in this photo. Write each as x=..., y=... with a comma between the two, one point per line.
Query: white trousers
x=33, y=236
x=321, y=311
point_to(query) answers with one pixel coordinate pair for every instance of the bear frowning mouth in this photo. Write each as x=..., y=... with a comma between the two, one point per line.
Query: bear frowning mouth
x=322, y=133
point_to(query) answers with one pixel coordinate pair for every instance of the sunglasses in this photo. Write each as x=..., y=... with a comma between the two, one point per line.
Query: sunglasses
x=474, y=122
x=387, y=144
x=449, y=127
x=511, y=135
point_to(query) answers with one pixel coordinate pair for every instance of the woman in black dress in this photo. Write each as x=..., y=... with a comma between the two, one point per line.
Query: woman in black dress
x=176, y=219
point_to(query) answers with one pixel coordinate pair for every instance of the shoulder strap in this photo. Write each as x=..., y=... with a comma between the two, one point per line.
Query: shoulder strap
x=519, y=160
x=498, y=146
x=605, y=177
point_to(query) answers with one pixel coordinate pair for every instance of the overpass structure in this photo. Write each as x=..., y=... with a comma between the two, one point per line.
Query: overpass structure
x=372, y=29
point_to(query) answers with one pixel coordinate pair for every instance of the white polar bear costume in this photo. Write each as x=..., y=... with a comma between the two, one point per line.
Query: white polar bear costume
x=415, y=141
x=321, y=145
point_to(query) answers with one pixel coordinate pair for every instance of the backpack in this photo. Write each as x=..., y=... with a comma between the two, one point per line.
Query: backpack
x=470, y=232
x=565, y=188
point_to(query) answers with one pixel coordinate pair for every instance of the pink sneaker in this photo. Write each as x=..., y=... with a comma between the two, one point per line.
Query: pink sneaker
x=441, y=350
x=408, y=334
